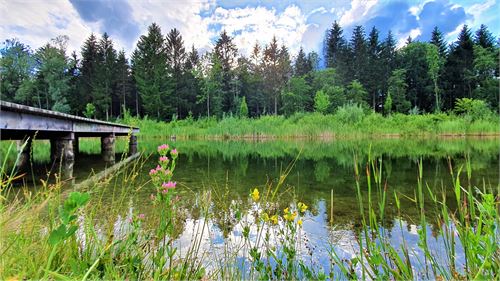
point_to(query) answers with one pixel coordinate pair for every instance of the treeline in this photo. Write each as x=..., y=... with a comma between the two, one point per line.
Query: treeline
x=166, y=81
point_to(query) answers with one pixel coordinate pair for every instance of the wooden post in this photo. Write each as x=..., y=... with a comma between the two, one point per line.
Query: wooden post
x=108, y=148
x=132, y=145
x=76, y=146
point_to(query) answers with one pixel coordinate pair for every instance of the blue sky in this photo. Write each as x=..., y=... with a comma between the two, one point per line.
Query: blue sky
x=294, y=23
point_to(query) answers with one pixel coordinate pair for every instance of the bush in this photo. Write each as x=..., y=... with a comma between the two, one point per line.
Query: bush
x=475, y=109
x=350, y=113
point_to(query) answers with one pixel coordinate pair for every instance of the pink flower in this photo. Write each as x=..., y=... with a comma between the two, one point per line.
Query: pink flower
x=163, y=148
x=164, y=191
x=164, y=159
x=174, y=152
x=158, y=168
x=141, y=216
x=152, y=172
x=168, y=173
x=169, y=184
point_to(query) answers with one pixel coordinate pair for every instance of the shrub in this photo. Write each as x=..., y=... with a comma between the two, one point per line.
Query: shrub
x=350, y=113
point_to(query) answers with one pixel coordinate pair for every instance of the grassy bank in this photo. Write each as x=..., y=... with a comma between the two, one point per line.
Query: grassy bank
x=51, y=236
x=343, y=124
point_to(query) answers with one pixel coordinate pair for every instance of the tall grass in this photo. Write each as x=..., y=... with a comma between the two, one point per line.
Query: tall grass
x=56, y=235
x=343, y=124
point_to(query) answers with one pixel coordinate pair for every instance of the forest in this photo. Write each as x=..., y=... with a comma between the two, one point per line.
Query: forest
x=165, y=80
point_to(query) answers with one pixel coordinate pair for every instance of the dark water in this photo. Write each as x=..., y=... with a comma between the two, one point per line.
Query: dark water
x=318, y=171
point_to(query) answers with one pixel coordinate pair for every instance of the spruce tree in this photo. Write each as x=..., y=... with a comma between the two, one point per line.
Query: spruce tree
x=89, y=71
x=334, y=46
x=302, y=64
x=176, y=57
x=438, y=40
x=124, y=85
x=226, y=52
x=374, y=75
x=149, y=68
x=484, y=38
x=103, y=94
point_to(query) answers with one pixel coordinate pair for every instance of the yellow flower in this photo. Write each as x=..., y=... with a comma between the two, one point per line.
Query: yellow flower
x=286, y=211
x=265, y=217
x=302, y=207
x=274, y=219
x=255, y=194
x=290, y=216
x=299, y=222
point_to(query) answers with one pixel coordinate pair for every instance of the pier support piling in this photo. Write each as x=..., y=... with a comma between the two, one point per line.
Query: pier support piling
x=108, y=148
x=61, y=151
x=24, y=150
x=132, y=145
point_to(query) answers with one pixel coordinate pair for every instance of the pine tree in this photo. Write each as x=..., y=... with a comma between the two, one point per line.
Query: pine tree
x=103, y=94
x=358, y=54
x=226, y=52
x=397, y=91
x=484, y=38
x=437, y=39
x=149, y=70
x=302, y=64
x=334, y=46
x=123, y=86
x=88, y=73
x=458, y=72
x=176, y=57
x=373, y=75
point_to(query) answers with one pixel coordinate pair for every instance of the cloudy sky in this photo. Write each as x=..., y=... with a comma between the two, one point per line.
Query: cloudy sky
x=295, y=23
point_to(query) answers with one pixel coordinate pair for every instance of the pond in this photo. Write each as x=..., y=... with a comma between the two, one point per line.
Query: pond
x=320, y=173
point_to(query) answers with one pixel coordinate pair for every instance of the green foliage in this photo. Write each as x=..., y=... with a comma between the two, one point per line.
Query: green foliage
x=397, y=90
x=356, y=93
x=350, y=114
x=243, y=108
x=297, y=97
x=89, y=110
x=476, y=109
x=388, y=104
x=321, y=102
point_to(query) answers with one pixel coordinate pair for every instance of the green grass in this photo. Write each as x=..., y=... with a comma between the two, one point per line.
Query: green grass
x=53, y=235
x=315, y=125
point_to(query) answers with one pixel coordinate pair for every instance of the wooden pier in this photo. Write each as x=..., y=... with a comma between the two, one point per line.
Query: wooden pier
x=20, y=122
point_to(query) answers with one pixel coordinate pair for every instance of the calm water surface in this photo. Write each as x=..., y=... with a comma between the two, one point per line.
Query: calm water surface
x=230, y=169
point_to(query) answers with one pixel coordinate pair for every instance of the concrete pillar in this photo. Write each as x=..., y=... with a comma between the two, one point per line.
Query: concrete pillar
x=76, y=146
x=62, y=153
x=24, y=152
x=61, y=148
x=108, y=148
x=132, y=145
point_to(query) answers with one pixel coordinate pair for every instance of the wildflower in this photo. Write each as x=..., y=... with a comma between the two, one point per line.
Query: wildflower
x=302, y=207
x=168, y=185
x=162, y=149
x=255, y=194
x=168, y=173
x=158, y=167
x=286, y=211
x=265, y=217
x=290, y=216
x=164, y=159
x=274, y=219
x=174, y=153
x=141, y=216
x=299, y=222
x=152, y=172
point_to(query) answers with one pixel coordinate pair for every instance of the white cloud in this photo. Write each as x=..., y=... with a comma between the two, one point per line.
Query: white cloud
x=249, y=24
x=36, y=22
x=359, y=9
x=414, y=33
x=183, y=15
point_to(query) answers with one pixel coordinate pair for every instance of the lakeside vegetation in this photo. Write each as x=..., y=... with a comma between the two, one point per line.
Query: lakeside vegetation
x=56, y=235
x=348, y=122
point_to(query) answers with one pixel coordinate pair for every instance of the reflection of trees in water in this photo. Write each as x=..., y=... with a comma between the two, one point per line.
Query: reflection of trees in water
x=321, y=170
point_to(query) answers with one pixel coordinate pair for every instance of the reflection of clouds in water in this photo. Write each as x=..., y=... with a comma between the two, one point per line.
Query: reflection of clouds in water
x=205, y=240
